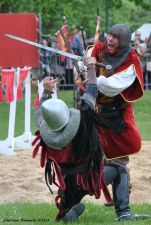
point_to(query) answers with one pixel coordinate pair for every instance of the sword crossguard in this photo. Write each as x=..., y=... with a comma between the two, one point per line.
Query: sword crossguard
x=107, y=67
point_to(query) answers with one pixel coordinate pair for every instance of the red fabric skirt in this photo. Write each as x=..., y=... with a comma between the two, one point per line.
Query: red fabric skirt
x=127, y=142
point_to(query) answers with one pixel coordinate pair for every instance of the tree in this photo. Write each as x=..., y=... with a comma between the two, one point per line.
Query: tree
x=81, y=12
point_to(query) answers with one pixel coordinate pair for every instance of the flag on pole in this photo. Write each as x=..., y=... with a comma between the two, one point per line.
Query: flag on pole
x=22, y=77
x=8, y=80
x=97, y=33
x=60, y=41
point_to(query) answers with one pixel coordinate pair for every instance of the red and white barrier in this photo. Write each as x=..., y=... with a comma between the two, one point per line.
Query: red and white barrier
x=23, y=141
x=13, y=80
x=9, y=78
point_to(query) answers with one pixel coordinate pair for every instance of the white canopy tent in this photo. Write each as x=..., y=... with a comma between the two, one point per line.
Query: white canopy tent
x=145, y=31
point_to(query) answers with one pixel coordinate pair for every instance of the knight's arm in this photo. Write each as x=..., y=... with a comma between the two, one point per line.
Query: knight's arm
x=48, y=87
x=91, y=87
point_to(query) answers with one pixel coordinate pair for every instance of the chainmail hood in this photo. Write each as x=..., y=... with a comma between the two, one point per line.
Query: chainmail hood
x=123, y=33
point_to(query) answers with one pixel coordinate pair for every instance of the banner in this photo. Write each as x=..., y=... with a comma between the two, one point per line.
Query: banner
x=8, y=81
x=23, y=74
x=14, y=53
x=97, y=33
x=60, y=41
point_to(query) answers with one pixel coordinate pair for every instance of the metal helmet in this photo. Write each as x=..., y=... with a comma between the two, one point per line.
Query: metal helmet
x=56, y=113
x=123, y=33
x=59, y=124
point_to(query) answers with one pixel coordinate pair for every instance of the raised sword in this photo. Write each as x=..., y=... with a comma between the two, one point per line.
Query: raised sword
x=57, y=51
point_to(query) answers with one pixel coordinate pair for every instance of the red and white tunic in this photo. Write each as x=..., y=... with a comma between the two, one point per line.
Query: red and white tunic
x=127, y=82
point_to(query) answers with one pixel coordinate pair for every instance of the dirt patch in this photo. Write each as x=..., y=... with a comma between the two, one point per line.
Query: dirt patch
x=22, y=179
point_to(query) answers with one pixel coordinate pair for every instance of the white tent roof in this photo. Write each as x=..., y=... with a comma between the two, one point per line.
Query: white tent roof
x=145, y=31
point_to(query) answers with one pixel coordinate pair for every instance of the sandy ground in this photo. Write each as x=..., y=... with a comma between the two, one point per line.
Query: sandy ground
x=22, y=179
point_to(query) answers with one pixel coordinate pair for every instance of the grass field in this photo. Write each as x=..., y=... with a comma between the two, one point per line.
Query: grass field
x=38, y=214
x=142, y=114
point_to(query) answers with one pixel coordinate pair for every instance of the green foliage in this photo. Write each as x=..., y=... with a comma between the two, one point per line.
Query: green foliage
x=130, y=13
x=82, y=12
x=145, y=4
x=115, y=3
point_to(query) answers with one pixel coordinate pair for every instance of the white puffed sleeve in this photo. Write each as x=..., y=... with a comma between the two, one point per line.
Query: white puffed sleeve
x=115, y=84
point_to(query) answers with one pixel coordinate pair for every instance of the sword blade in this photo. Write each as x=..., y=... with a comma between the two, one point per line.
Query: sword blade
x=69, y=55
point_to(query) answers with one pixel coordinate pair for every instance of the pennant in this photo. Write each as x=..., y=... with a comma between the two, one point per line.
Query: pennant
x=97, y=33
x=22, y=77
x=36, y=101
x=60, y=41
x=8, y=80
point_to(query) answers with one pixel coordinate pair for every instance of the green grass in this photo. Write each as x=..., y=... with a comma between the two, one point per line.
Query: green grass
x=68, y=97
x=38, y=214
x=20, y=113
x=142, y=114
